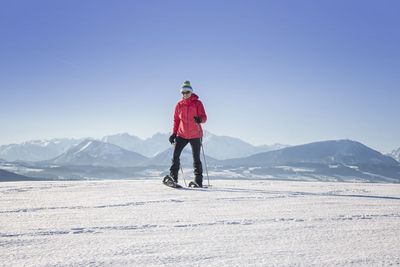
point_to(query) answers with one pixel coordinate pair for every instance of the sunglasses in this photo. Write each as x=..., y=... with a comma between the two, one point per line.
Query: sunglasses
x=186, y=92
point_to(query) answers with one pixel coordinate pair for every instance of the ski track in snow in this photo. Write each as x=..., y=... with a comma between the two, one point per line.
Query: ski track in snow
x=234, y=223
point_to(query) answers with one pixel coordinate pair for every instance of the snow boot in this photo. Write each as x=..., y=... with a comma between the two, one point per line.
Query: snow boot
x=169, y=181
x=193, y=184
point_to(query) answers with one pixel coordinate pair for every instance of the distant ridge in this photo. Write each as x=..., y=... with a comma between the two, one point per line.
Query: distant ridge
x=325, y=152
x=7, y=176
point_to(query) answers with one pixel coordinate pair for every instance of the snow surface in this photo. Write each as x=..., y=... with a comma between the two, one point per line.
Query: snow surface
x=234, y=223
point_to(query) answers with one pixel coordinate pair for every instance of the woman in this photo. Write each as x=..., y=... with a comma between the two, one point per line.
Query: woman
x=188, y=116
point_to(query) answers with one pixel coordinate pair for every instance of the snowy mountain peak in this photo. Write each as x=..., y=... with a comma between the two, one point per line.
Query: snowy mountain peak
x=158, y=134
x=97, y=153
x=41, y=143
x=123, y=136
x=396, y=154
x=36, y=150
x=124, y=140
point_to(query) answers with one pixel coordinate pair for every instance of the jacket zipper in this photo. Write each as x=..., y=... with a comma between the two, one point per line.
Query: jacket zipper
x=187, y=119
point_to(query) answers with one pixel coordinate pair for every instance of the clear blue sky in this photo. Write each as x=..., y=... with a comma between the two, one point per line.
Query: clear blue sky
x=267, y=71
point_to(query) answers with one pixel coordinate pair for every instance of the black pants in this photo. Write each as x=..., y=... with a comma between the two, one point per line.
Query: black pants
x=179, y=146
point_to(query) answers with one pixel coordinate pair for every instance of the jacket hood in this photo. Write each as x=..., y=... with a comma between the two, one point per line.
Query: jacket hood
x=191, y=98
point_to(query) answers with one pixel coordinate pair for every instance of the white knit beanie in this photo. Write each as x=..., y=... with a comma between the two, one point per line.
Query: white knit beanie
x=186, y=87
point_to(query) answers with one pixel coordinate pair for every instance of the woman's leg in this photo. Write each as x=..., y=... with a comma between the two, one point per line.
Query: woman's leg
x=179, y=146
x=197, y=166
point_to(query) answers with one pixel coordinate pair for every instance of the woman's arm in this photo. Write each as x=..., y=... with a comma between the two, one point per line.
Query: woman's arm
x=201, y=112
x=176, y=120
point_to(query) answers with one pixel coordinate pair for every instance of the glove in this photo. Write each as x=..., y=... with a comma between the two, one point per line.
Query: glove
x=172, y=138
x=197, y=119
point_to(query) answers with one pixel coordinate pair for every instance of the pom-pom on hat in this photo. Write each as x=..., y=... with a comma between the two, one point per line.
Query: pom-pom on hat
x=186, y=87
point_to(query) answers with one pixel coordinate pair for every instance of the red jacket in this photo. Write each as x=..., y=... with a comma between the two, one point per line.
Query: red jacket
x=184, y=124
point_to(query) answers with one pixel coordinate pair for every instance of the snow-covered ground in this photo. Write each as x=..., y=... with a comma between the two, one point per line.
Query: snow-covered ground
x=235, y=223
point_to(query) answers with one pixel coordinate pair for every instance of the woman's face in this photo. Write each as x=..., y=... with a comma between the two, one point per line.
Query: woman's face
x=186, y=94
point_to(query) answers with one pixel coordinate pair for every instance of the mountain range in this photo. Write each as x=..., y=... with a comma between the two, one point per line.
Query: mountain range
x=147, y=147
x=334, y=160
x=218, y=147
x=326, y=152
x=37, y=150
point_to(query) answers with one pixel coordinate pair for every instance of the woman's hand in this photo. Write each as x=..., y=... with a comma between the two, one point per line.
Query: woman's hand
x=197, y=119
x=172, y=138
